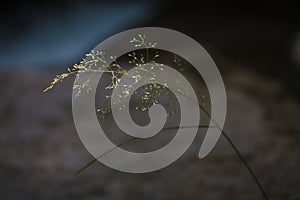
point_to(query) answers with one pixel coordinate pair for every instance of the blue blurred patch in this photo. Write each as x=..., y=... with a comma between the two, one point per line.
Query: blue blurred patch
x=55, y=41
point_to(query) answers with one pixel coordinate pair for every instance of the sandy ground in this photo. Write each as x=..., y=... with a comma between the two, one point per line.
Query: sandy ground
x=41, y=151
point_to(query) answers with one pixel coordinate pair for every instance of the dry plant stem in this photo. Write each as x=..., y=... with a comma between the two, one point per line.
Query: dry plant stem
x=238, y=153
x=234, y=147
x=131, y=140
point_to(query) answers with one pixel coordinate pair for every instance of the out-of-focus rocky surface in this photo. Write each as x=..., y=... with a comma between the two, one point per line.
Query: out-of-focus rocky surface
x=41, y=151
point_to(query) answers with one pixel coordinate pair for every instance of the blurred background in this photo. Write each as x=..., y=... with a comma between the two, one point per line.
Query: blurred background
x=255, y=44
